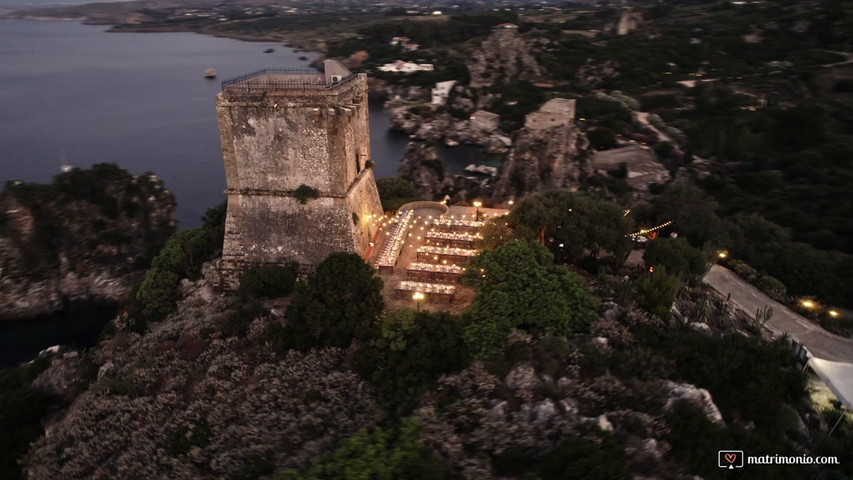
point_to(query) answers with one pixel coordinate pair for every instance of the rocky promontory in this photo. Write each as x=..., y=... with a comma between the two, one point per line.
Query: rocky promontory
x=548, y=153
x=85, y=238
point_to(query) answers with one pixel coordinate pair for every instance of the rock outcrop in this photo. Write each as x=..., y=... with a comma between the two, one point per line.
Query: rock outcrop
x=629, y=21
x=187, y=401
x=503, y=58
x=425, y=170
x=82, y=239
x=423, y=122
x=546, y=153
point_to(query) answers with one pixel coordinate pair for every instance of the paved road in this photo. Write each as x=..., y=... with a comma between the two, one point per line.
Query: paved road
x=818, y=341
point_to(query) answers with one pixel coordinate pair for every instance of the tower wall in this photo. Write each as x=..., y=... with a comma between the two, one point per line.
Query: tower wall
x=273, y=141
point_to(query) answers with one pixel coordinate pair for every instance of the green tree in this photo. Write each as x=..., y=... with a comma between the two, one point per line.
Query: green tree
x=602, y=138
x=394, y=192
x=573, y=225
x=181, y=257
x=518, y=286
x=656, y=291
x=384, y=454
x=677, y=256
x=340, y=302
x=692, y=213
x=409, y=352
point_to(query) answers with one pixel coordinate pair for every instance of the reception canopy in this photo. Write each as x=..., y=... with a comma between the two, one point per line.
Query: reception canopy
x=838, y=376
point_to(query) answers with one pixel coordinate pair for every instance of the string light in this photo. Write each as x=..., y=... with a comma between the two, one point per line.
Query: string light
x=649, y=230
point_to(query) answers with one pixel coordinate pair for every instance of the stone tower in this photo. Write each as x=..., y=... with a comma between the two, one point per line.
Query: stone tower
x=286, y=133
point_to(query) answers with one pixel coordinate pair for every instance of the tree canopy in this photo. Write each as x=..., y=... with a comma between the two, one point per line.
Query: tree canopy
x=573, y=225
x=340, y=302
x=384, y=454
x=519, y=287
x=677, y=256
x=656, y=292
x=409, y=352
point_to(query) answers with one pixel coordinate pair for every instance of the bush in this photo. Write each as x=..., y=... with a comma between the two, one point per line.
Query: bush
x=268, y=281
x=339, y=303
x=518, y=286
x=656, y=291
x=602, y=138
x=305, y=193
x=384, y=454
x=677, y=256
x=181, y=257
x=409, y=352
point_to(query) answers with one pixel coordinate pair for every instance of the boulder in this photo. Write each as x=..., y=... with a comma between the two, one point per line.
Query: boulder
x=699, y=397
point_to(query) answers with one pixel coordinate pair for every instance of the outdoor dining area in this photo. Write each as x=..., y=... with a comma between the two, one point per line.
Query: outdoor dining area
x=454, y=224
x=454, y=255
x=422, y=254
x=435, y=272
x=427, y=290
x=453, y=239
x=392, y=246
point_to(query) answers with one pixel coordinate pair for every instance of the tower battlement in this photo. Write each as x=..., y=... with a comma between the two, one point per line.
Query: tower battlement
x=283, y=131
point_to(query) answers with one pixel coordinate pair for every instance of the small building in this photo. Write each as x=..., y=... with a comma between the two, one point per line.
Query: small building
x=485, y=121
x=441, y=92
x=642, y=165
x=507, y=26
x=406, y=67
x=555, y=112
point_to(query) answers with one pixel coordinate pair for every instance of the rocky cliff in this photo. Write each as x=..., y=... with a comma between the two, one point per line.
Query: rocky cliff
x=425, y=170
x=548, y=153
x=503, y=58
x=83, y=238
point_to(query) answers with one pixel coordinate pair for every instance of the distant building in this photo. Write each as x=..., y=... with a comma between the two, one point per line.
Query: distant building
x=441, y=92
x=642, y=165
x=404, y=43
x=555, y=112
x=406, y=67
x=485, y=121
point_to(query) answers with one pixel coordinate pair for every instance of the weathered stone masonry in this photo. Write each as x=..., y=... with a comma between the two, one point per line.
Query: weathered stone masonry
x=280, y=131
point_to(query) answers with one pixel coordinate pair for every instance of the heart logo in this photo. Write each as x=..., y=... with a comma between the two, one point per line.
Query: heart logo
x=731, y=457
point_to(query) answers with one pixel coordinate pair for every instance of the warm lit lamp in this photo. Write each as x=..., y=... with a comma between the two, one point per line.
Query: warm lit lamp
x=418, y=296
x=807, y=303
x=478, y=204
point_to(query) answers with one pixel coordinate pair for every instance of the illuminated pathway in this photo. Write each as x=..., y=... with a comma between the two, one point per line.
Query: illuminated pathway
x=818, y=341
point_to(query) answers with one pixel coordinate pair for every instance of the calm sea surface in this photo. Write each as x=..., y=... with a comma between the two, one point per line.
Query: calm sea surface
x=74, y=93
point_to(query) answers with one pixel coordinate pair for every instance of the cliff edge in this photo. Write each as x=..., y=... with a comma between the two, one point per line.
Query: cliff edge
x=86, y=237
